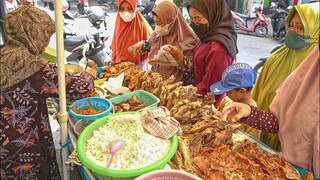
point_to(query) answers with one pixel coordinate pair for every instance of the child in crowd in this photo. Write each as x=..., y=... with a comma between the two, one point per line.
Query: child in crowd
x=237, y=81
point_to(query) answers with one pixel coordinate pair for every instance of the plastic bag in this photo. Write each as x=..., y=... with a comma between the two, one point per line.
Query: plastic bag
x=163, y=58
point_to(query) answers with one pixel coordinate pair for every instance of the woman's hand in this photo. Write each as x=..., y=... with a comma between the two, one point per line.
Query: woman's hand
x=237, y=110
x=136, y=48
x=176, y=54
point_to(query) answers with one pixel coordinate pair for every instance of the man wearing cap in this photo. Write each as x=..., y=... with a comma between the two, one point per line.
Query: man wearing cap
x=237, y=81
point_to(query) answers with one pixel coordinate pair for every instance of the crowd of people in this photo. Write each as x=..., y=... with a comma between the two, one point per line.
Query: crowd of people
x=282, y=100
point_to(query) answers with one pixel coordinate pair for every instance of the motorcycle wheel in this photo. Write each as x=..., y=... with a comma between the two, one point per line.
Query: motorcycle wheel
x=261, y=30
x=258, y=67
x=282, y=33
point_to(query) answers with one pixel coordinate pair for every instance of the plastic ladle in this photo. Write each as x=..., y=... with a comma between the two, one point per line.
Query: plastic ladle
x=113, y=147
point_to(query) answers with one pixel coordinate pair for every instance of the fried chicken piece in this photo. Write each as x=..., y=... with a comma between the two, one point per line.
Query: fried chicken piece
x=217, y=175
x=308, y=176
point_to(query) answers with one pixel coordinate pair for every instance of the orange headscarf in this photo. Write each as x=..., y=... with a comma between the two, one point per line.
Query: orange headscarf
x=128, y=33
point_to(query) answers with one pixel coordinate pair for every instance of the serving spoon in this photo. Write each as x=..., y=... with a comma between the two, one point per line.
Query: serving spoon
x=113, y=147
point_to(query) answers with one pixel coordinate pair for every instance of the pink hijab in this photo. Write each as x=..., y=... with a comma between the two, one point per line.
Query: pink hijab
x=296, y=105
x=180, y=35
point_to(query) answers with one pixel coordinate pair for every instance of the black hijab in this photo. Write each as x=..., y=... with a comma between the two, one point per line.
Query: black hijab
x=221, y=28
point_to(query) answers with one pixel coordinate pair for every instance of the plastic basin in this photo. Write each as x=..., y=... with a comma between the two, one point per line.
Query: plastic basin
x=101, y=172
x=149, y=99
x=168, y=174
x=97, y=102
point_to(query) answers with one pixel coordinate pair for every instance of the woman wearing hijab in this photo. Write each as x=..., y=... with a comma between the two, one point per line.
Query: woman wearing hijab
x=131, y=27
x=171, y=29
x=301, y=39
x=27, y=147
x=212, y=21
x=293, y=113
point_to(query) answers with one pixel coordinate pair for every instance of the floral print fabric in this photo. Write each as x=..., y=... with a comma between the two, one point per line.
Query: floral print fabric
x=27, y=147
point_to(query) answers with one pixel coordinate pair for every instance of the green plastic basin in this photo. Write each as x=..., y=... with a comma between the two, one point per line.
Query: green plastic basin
x=103, y=173
x=149, y=99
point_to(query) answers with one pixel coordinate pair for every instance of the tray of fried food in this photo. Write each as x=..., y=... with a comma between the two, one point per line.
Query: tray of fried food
x=116, y=69
x=248, y=161
x=149, y=81
x=132, y=76
x=210, y=154
x=131, y=104
x=157, y=84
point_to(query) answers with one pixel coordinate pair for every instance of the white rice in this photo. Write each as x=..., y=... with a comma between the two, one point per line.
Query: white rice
x=142, y=149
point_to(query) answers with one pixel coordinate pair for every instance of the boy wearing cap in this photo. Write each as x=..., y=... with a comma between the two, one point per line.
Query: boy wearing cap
x=237, y=82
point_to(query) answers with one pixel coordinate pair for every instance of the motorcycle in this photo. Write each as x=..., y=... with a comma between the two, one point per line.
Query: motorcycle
x=90, y=46
x=65, y=11
x=263, y=60
x=278, y=24
x=110, y=4
x=68, y=21
x=259, y=27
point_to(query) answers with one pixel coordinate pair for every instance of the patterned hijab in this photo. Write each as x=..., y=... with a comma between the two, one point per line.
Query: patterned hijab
x=19, y=58
x=221, y=28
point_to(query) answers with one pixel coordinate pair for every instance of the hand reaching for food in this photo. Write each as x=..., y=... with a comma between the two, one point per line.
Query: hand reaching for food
x=176, y=54
x=136, y=48
x=237, y=110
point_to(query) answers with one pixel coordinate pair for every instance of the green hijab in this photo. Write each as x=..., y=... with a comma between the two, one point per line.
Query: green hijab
x=281, y=63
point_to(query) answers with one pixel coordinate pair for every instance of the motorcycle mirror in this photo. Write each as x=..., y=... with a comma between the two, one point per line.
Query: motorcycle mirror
x=273, y=4
x=106, y=38
x=105, y=25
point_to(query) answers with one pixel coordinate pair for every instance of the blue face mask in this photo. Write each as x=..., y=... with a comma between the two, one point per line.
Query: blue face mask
x=295, y=41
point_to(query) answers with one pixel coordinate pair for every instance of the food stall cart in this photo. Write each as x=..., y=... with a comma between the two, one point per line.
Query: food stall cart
x=133, y=81
x=169, y=97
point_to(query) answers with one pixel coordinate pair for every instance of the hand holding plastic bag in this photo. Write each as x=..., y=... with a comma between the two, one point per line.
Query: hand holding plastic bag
x=164, y=57
x=175, y=53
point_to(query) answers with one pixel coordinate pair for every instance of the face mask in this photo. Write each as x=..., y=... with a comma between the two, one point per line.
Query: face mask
x=200, y=29
x=126, y=16
x=162, y=31
x=295, y=41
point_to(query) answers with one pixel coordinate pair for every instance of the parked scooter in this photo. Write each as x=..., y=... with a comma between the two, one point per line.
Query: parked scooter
x=278, y=21
x=90, y=46
x=110, y=4
x=263, y=60
x=65, y=11
x=259, y=27
x=68, y=21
